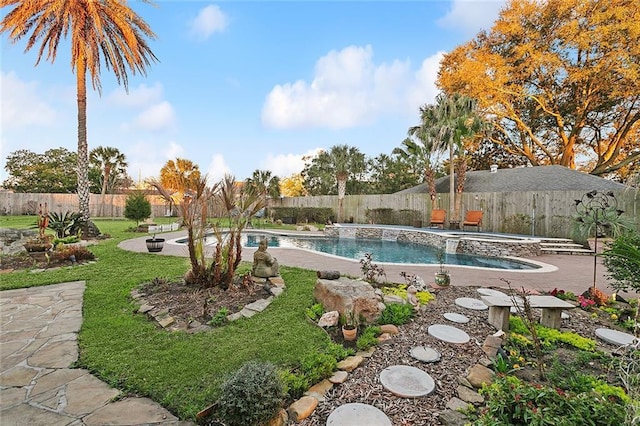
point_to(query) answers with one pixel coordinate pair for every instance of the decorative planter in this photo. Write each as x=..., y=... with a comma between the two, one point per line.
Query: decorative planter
x=349, y=333
x=155, y=245
x=37, y=247
x=443, y=279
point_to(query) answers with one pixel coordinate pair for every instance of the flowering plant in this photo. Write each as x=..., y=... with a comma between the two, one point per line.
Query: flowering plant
x=585, y=302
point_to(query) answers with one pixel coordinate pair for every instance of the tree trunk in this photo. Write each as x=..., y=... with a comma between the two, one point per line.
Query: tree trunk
x=342, y=189
x=83, y=155
x=452, y=183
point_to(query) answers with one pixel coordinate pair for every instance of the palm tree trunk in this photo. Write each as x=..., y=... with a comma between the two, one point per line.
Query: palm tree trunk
x=342, y=189
x=83, y=154
x=452, y=213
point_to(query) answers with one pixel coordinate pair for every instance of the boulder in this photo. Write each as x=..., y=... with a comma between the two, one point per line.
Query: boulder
x=344, y=295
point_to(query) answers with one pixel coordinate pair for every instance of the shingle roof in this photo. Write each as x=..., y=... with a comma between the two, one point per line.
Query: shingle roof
x=540, y=178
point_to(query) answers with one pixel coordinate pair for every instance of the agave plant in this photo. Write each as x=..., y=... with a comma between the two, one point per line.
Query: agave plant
x=66, y=224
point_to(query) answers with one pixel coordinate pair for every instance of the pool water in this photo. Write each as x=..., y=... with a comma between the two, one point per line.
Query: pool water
x=382, y=251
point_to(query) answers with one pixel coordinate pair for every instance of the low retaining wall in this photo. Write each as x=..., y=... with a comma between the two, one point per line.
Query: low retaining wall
x=469, y=243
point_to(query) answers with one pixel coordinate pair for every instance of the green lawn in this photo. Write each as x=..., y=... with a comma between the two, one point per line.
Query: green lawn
x=178, y=370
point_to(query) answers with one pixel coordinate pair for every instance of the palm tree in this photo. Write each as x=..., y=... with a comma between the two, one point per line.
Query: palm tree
x=344, y=161
x=264, y=184
x=101, y=31
x=455, y=120
x=180, y=177
x=422, y=142
x=107, y=159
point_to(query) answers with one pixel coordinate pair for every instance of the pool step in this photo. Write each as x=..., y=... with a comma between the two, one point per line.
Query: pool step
x=562, y=246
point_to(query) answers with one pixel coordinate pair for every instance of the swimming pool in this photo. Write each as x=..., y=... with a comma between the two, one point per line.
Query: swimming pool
x=383, y=251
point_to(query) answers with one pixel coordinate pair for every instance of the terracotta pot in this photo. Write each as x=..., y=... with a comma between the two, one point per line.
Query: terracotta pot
x=349, y=333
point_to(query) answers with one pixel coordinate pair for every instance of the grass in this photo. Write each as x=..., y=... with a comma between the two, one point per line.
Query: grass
x=180, y=371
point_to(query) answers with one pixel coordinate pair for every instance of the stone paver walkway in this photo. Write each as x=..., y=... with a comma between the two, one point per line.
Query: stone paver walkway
x=38, y=345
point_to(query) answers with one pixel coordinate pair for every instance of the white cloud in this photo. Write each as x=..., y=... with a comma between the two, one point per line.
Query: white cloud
x=423, y=89
x=173, y=151
x=471, y=16
x=284, y=165
x=22, y=104
x=209, y=20
x=146, y=158
x=217, y=169
x=141, y=96
x=160, y=116
x=348, y=89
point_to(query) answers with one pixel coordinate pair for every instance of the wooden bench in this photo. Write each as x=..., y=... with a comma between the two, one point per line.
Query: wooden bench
x=552, y=307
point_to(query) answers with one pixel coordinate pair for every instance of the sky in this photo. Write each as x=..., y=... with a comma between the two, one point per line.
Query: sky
x=243, y=85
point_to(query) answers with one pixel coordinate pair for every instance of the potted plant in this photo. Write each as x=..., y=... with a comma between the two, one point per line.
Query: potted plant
x=155, y=245
x=38, y=244
x=442, y=277
x=350, y=326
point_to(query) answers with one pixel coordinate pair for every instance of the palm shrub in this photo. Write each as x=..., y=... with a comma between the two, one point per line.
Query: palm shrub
x=137, y=207
x=194, y=201
x=251, y=396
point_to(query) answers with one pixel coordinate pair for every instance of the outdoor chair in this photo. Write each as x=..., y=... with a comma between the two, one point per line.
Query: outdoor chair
x=473, y=218
x=437, y=218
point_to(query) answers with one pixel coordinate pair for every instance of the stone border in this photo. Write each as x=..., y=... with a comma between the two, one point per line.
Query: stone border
x=169, y=323
x=468, y=242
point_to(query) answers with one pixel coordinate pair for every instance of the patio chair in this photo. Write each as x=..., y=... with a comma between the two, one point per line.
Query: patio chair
x=437, y=218
x=473, y=218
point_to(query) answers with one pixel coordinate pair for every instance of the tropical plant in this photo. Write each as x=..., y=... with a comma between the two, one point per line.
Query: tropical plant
x=108, y=32
x=112, y=165
x=137, y=207
x=332, y=169
x=265, y=184
x=558, y=80
x=456, y=122
x=66, y=224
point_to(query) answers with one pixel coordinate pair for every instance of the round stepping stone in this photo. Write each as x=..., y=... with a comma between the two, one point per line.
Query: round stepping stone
x=425, y=354
x=448, y=333
x=357, y=414
x=492, y=292
x=406, y=381
x=614, y=337
x=471, y=303
x=459, y=318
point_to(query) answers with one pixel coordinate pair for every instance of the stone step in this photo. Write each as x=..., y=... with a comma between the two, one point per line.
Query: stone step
x=559, y=250
x=561, y=245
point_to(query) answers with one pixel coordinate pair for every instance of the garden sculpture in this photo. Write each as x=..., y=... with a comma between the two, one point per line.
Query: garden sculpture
x=264, y=265
x=43, y=219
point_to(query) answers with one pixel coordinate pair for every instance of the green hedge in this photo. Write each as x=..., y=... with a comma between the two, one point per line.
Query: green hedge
x=386, y=216
x=303, y=214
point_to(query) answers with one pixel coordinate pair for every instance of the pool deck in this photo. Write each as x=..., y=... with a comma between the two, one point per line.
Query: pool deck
x=572, y=273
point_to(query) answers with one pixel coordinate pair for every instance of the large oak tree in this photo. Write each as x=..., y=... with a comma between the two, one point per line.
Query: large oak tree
x=559, y=79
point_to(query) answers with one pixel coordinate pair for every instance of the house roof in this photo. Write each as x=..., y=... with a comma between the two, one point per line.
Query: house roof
x=539, y=178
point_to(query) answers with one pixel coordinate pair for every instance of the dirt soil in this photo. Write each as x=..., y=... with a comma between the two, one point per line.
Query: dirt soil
x=32, y=260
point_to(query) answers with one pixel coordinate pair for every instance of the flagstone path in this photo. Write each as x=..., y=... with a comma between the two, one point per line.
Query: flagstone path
x=38, y=386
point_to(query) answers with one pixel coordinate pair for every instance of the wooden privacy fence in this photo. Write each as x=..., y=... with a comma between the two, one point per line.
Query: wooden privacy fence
x=544, y=213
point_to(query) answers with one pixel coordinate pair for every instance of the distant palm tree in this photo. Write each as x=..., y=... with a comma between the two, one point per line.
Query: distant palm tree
x=455, y=120
x=180, y=177
x=345, y=160
x=423, y=143
x=107, y=159
x=101, y=31
x=265, y=185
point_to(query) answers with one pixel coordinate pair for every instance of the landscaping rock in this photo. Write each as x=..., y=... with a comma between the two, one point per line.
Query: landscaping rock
x=457, y=404
x=480, y=375
x=339, y=377
x=491, y=346
x=453, y=418
x=329, y=319
x=469, y=395
x=320, y=388
x=344, y=294
x=302, y=408
x=350, y=363
x=389, y=328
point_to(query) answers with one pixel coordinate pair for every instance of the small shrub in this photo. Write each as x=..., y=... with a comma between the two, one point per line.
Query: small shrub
x=64, y=252
x=294, y=384
x=371, y=271
x=338, y=351
x=137, y=207
x=396, y=314
x=251, y=396
x=317, y=366
x=314, y=312
x=368, y=338
x=220, y=318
